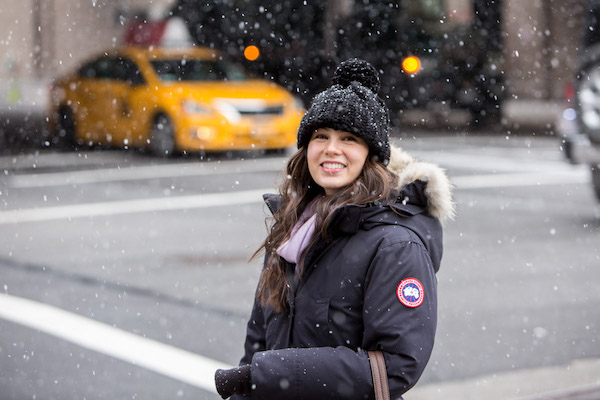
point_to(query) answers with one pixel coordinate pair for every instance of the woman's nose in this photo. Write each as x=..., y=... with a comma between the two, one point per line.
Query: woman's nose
x=332, y=146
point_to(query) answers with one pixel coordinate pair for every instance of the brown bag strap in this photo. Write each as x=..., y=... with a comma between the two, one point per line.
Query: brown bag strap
x=380, y=379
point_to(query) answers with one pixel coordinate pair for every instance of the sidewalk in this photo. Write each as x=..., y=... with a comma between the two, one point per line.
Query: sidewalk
x=579, y=380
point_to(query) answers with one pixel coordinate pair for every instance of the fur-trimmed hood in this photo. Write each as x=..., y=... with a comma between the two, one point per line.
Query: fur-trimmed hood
x=438, y=188
x=423, y=205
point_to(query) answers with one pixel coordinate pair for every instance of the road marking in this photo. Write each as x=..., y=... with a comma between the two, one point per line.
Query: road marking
x=133, y=206
x=184, y=169
x=91, y=176
x=161, y=358
x=576, y=176
x=489, y=162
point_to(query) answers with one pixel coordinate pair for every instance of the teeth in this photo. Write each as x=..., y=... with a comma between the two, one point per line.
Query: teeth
x=333, y=165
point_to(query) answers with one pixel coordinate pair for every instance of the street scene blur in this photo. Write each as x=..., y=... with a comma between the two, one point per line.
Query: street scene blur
x=137, y=139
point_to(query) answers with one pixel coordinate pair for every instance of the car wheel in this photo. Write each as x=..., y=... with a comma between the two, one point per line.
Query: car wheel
x=66, y=129
x=588, y=96
x=596, y=180
x=162, y=137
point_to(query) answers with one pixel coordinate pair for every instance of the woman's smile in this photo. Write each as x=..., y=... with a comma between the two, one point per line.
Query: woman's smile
x=332, y=167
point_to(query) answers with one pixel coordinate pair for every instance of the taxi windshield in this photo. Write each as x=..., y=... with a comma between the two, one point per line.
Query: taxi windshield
x=197, y=70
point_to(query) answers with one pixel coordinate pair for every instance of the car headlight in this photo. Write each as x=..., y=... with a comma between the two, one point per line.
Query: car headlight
x=193, y=107
x=227, y=110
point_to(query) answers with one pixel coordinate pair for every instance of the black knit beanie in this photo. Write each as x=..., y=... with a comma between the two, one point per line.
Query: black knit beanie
x=351, y=104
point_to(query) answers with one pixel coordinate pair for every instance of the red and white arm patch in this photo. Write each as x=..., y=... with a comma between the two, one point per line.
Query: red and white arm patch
x=410, y=292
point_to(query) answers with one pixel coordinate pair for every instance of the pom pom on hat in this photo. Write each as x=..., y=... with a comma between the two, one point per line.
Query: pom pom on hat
x=357, y=70
x=351, y=104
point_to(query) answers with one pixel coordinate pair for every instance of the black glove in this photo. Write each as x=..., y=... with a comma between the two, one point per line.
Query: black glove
x=233, y=381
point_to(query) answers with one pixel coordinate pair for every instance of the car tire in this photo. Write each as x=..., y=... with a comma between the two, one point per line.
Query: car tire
x=162, y=137
x=66, y=130
x=596, y=180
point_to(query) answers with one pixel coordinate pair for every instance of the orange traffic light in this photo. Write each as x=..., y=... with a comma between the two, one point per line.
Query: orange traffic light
x=411, y=65
x=251, y=52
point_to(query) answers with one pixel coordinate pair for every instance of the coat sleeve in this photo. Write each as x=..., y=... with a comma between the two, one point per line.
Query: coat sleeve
x=404, y=334
x=255, y=338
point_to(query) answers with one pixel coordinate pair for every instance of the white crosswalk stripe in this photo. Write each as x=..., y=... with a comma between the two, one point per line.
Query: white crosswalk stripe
x=167, y=360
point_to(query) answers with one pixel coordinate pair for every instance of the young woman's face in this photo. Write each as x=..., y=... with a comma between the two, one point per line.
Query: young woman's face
x=335, y=158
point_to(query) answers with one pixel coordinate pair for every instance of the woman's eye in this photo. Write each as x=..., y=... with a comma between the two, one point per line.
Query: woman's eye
x=352, y=138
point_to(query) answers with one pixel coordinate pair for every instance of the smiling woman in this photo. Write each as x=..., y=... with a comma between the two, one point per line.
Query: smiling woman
x=350, y=259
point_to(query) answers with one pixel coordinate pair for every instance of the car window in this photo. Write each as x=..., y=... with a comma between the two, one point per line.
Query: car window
x=197, y=70
x=98, y=69
x=125, y=69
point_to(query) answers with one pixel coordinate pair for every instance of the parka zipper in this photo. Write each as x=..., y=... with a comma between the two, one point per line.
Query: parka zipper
x=292, y=286
x=294, y=283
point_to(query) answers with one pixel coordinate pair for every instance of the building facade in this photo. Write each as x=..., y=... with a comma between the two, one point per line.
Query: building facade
x=541, y=43
x=41, y=39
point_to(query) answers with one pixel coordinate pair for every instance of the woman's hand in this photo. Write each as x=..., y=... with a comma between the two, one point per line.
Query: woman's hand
x=233, y=381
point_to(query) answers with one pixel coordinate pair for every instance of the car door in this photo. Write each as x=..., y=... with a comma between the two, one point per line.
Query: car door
x=93, y=105
x=126, y=99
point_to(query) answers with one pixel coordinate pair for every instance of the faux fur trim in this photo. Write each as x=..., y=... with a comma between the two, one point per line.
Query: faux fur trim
x=438, y=190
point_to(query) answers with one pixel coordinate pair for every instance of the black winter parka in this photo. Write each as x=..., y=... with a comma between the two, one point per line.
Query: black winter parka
x=351, y=299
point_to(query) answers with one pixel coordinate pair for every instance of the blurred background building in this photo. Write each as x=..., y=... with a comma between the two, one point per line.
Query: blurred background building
x=529, y=45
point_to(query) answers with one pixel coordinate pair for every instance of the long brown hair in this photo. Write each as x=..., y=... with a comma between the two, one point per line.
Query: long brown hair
x=298, y=189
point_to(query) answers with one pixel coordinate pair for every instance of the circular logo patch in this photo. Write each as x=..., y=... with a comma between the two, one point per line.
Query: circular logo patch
x=410, y=292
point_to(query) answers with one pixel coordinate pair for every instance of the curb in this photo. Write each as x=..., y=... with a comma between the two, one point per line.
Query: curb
x=577, y=380
x=589, y=392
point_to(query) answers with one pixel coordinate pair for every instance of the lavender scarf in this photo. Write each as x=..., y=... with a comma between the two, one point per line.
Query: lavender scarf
x=302, y=234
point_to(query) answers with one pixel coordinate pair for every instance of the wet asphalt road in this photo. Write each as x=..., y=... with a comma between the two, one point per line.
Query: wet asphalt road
x=159, y=248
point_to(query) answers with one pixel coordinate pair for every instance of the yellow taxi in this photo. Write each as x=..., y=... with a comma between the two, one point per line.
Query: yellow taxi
x=172, y=100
